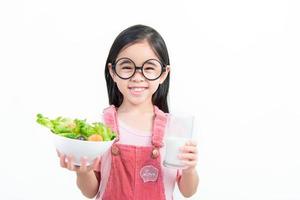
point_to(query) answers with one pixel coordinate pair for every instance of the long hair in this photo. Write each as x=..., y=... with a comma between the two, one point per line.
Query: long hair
x=129, y=36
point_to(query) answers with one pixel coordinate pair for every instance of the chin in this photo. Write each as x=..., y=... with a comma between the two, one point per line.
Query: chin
x=138, y=101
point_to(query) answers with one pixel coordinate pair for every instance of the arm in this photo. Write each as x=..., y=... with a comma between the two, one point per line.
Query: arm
x=88, y=180
x=88, y=183
x=189, y=180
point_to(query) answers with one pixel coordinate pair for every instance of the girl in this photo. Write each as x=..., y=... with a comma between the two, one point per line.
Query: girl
x=137, y=76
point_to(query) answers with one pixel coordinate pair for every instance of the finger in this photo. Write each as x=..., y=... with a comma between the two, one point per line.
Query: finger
x=62, y=160
x=95, y=163
x=188, y=149
x=70, y=164
x=90, y=167
x=187, y=156
x=83, y=164
x=191, y=143
x=189, y=163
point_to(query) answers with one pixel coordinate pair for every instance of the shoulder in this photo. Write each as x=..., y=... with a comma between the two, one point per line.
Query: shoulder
x=159, y=112
x=109, y=108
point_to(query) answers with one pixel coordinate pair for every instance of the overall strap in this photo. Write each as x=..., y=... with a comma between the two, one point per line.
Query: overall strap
x=110, y=119
x=159, y=125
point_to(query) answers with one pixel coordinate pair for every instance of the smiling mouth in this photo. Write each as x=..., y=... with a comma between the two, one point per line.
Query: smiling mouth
x=137, y=90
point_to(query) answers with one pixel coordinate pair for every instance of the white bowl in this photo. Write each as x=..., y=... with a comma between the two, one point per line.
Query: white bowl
x=80, y=148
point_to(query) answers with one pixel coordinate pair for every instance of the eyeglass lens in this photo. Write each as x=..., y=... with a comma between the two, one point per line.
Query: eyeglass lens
x=151, y=69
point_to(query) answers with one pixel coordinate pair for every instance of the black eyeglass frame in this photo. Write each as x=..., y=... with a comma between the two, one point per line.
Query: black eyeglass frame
x=163, y=68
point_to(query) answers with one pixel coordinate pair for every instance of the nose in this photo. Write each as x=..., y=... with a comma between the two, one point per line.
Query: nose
x=138, y=75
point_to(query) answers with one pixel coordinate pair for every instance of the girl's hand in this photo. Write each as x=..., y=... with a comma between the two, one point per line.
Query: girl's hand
x=189, y=155
x=67, y=162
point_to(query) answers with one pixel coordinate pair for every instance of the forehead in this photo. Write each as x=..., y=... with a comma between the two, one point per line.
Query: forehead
x=138, y=52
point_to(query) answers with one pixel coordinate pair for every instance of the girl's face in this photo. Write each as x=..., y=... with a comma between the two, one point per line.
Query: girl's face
x=137, y=89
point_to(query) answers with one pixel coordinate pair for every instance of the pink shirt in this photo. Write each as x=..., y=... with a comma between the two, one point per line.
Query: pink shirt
x=135, y=137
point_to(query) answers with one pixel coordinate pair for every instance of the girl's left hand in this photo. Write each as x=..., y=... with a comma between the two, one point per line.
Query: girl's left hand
x=189, y=155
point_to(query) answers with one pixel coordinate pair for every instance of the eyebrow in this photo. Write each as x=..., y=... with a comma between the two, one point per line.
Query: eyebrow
x=151, y=62
x=125, y=62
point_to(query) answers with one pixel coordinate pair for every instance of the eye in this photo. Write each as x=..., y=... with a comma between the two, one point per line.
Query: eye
x=149, y=68
x=127, y=67
x=152, y=65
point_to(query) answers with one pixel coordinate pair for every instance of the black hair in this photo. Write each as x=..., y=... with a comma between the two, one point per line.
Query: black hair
x=129, y=36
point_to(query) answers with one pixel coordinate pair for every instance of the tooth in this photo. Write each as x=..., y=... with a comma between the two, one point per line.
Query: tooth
x=137, y=89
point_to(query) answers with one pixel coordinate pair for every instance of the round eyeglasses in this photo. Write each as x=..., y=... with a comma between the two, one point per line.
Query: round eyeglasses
x=151, y=69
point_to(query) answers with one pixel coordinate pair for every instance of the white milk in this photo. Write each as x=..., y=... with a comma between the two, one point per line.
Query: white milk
x=172, y=150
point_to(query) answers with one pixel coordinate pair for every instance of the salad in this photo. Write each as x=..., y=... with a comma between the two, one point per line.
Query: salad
x=77, y=128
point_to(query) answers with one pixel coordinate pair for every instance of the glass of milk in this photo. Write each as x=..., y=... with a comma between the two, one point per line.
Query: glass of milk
x=178, y=131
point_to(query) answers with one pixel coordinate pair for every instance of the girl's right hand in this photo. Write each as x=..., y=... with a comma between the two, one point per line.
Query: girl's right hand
x=68, y=163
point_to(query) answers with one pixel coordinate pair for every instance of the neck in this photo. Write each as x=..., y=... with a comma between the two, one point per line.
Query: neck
x=128, y=107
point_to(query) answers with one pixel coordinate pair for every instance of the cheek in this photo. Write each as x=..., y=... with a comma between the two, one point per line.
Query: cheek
x=121, y=86
x=154, y=86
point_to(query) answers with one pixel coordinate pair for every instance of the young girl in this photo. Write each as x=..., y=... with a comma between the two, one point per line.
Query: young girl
x=137, y=76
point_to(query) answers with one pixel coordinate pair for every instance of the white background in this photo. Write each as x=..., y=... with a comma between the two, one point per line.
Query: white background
x=235, y=65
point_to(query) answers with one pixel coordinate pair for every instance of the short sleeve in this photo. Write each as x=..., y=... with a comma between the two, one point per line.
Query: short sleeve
x=179, y=174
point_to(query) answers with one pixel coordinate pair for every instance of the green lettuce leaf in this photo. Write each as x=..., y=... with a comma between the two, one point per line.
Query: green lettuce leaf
x=75, y=128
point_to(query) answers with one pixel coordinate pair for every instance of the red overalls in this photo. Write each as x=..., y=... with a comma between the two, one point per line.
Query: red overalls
x=136, y=171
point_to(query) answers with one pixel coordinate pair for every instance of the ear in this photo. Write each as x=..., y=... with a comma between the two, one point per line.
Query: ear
x=111, y=71
x=164, y=75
